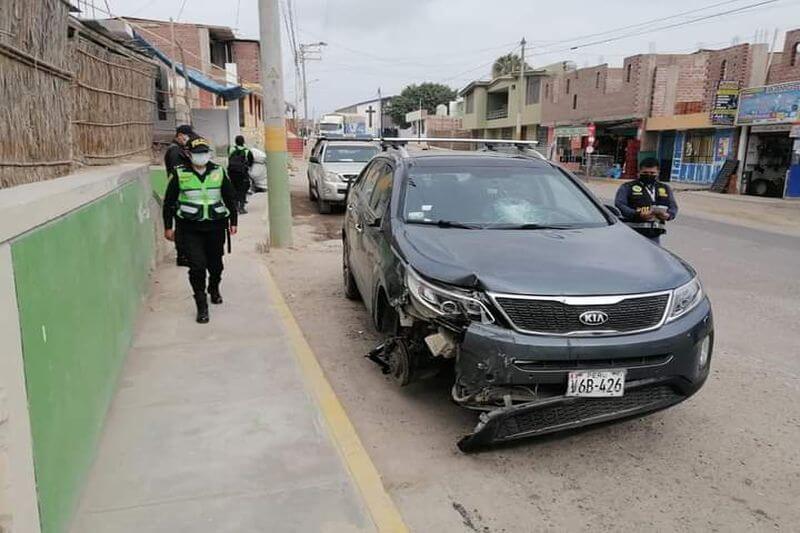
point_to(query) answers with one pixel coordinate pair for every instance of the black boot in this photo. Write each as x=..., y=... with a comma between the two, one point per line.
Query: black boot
x=213, y=292
x=242, y=208
x=202, y=308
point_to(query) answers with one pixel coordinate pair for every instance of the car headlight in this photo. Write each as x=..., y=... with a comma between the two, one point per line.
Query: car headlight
x=685, y=298
x=332, y=176
x=446, y=302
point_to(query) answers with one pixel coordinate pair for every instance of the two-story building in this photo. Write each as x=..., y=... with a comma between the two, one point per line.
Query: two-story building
x=490, y=107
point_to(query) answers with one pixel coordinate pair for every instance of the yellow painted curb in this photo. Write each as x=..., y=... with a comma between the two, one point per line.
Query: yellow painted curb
x=363, y=472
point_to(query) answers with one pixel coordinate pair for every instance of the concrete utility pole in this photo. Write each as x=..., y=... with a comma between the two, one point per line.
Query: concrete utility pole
x=308, y=52
x=521, y=90
x=279, y=209
x=380, y=113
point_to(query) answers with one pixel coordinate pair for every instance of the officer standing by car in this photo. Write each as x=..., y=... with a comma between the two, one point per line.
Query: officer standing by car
x=240, y=161
x=201, y=201
x=646, y=203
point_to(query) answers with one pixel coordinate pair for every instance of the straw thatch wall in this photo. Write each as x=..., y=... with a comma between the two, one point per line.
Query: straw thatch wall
x=69, y=95
x=112, y=105
x=34, y=91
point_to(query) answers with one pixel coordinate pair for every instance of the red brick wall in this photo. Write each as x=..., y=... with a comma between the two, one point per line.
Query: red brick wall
x=781, y=69
x=186, y=35
x=737, y=67
x=248, y=61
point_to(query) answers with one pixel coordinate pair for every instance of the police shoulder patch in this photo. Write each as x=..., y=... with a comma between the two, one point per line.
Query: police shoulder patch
x=637, y=188
x=662, y=191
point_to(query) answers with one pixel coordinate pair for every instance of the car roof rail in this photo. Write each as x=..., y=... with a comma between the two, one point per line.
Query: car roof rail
x=342, y=137
x=525, y=147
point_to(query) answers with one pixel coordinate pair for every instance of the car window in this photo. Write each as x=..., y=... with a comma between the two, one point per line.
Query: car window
x=317, y=150
x=337, y=153
x=382, y=191
x=500, y=196
x=367, y=182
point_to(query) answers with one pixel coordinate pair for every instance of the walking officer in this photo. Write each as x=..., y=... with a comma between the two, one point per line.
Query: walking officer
x=240, y=161
x=646, y=203
x=202, y=203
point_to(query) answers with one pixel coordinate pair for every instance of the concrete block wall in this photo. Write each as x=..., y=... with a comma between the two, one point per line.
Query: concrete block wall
x=84, y=243
x=782, y=69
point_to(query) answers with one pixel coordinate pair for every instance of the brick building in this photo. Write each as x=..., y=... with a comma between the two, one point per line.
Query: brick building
x=220, y=56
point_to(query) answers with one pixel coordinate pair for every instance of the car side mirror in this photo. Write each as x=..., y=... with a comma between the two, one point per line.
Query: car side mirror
x=614, y=210
x=313, y=159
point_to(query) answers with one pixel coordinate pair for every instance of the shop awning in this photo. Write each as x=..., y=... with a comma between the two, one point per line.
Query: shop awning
x=226, y=90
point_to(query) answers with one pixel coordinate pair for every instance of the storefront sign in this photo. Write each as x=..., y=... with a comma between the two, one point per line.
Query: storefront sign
x=772, y=104
x=725, y=103
x=795, y=131
x=771, y=128
x=572, y=131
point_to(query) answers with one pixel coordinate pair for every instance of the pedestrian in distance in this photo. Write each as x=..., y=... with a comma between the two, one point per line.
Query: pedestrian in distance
x=240, y=161
x=201, y=202
x=177, y=156
x=646, y=203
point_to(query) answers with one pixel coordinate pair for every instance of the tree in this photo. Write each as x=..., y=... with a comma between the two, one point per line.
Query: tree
x=507, y=64
x=432, y=94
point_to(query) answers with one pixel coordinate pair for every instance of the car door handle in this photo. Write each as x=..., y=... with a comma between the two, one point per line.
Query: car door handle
x=359, y=227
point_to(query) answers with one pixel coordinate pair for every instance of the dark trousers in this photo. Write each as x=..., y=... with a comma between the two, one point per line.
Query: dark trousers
x=241, y=182
x=203, y=250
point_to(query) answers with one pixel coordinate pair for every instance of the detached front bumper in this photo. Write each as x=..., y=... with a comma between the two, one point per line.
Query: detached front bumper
x=663, y=368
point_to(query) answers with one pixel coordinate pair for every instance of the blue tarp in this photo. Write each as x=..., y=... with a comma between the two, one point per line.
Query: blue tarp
x=226, y=91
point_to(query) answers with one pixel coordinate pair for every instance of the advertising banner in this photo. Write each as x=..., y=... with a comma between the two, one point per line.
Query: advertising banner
x=773, y=104
x=725, y=103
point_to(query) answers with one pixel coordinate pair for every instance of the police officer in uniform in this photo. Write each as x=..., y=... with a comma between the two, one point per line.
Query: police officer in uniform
x=647, y=204
x=202, y=203
x=240, y=161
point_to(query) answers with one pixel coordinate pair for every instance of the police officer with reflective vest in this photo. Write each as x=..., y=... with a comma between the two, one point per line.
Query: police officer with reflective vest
x=202, y=203
x=240, y=161
x=646, y=203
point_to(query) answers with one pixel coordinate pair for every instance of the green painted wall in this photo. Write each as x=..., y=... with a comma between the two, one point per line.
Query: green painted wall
x=79, y=283
x=158, y=179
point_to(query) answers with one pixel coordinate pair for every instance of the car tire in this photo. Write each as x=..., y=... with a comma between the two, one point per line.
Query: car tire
x=311, y=195
x=323, y=207
x=350, y=288
x=759, y=188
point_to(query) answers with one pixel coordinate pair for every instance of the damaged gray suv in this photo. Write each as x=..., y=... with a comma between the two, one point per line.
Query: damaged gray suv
x=553, y=313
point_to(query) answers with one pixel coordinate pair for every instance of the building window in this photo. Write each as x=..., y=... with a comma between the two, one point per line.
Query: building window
x=795, y=53
x=218, y=101
x=628, y=73
x=568, y=80
x=546, y=91
x=575, y=101
x=470, y=103
x=597, y=81
x=242, y=122
x=532, y=91
x=698, y=148
x=723, y=69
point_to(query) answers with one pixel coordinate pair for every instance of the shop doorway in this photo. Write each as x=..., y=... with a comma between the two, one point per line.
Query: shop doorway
x=666, y=151
x=768, y=159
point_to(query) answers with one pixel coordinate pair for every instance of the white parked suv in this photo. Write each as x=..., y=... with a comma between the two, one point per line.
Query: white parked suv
x=332, y=164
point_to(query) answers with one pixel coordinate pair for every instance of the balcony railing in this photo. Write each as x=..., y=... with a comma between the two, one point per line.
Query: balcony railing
x=494, y=114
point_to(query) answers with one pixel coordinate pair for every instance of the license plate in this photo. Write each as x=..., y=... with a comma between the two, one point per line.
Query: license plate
x=596, y=383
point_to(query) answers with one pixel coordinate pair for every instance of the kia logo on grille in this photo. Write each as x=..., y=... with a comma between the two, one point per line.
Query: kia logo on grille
x=593, y=318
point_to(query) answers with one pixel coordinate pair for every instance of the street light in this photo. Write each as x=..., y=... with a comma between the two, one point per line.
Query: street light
x=309, y=52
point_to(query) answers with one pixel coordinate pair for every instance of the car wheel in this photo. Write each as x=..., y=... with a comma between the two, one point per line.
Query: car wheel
x=323, y=207
x=350, y=288
x=759, y=188
x=311, y=195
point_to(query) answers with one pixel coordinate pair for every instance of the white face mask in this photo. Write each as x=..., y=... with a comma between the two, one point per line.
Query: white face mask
x=201, y=160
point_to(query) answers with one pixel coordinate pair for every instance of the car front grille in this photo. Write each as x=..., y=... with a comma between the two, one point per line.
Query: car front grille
x=635, y=313
x=543, y=365
x=578, y=411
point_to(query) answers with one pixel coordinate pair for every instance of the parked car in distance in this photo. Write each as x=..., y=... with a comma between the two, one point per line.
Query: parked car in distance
x=553, y=313
x=258, y=172
x=332, y=164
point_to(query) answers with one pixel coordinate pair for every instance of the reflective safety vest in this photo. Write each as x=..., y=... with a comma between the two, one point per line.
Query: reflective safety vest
x=639, y=196
x=201, y=200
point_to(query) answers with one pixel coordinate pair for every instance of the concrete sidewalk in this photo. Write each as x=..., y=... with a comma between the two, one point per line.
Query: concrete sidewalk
x=225, y=427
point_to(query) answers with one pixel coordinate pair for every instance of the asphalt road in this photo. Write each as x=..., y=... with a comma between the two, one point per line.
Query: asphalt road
x=727, y=459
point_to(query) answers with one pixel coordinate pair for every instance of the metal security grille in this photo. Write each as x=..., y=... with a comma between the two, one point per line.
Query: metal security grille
x=550, y=316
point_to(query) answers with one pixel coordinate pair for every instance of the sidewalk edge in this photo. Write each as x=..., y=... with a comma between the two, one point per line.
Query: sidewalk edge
x=382, y=509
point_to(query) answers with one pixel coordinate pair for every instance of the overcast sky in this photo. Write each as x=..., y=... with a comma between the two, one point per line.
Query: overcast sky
x=389, y=44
